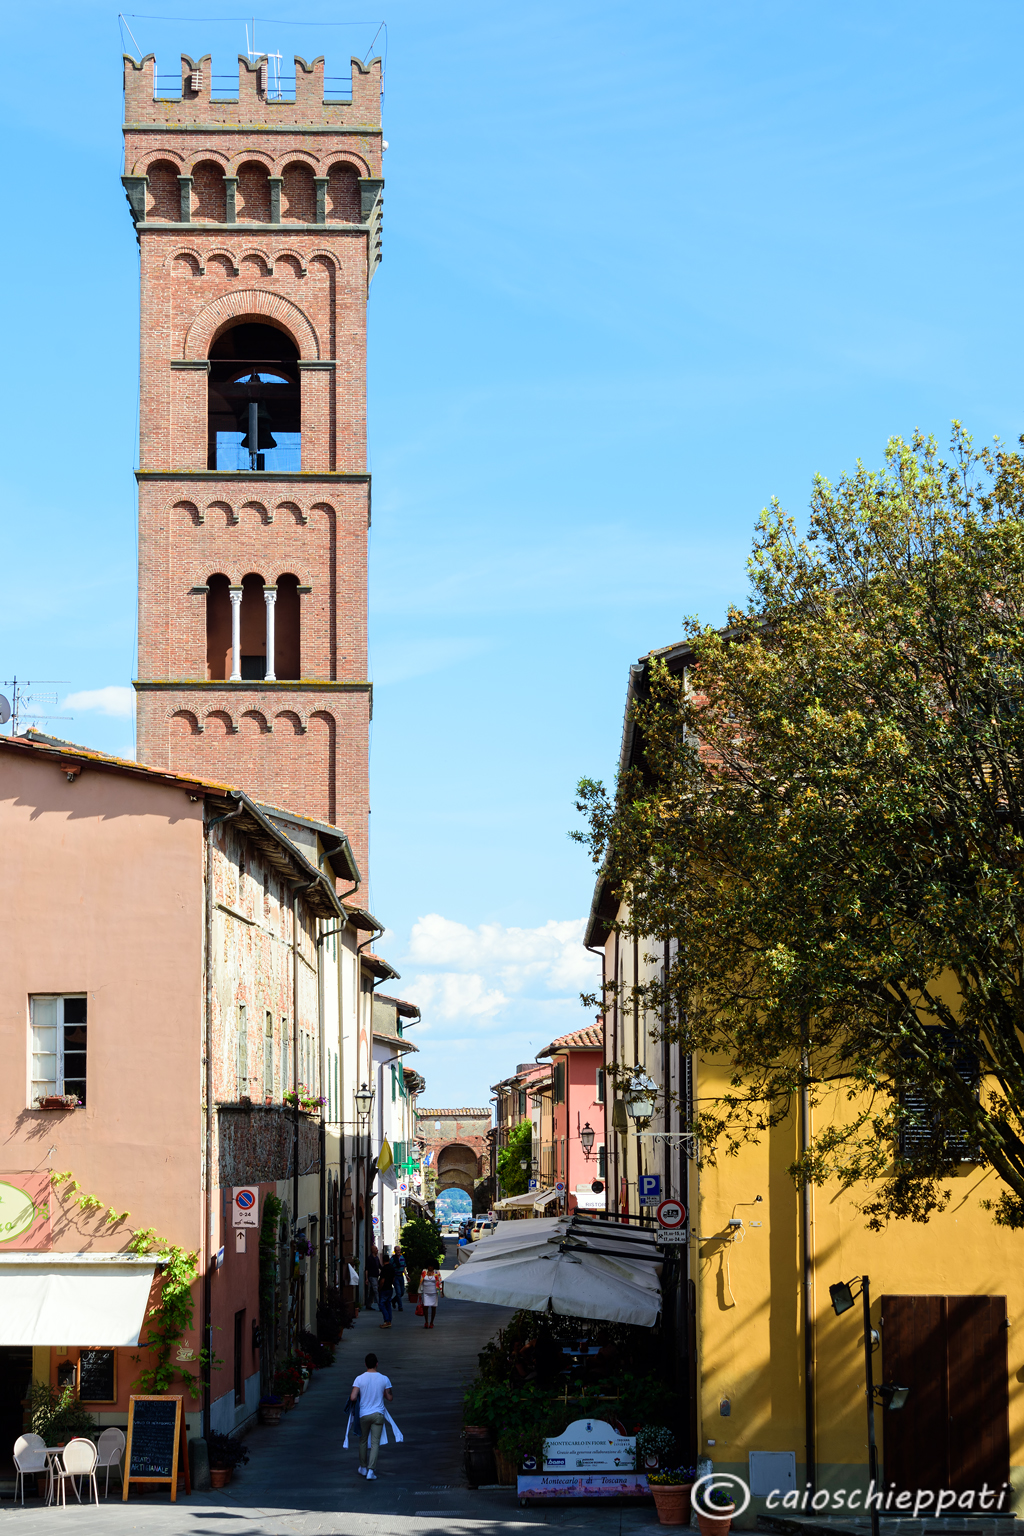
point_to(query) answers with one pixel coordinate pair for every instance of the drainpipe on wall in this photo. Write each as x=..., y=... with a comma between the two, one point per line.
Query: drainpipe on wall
x=807, y=1287
x=208, y=1155
x=296, y=892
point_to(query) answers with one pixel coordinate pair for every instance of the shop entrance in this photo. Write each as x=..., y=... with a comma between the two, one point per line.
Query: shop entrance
x=15, y=1376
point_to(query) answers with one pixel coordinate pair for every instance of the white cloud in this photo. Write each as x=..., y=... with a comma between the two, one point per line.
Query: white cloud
x=453, y=995
x=551, y=956
x=114, y=700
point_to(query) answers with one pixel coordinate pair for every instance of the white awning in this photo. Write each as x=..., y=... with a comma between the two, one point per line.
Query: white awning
x=546, y=1199
x=83, y=1299
x=536, y=1199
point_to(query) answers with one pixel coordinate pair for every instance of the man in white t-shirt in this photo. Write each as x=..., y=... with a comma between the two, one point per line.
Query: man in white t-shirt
x=373, y=1390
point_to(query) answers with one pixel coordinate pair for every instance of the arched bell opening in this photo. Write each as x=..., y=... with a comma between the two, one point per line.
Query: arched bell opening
x=253, y=629
x=218, y=628
x=254, y=405
x=288, y=656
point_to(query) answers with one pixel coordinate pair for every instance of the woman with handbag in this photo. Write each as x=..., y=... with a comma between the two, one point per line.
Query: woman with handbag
x=431, y=1287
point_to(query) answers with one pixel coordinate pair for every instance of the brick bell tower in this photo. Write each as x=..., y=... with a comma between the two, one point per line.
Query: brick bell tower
x=258, y=221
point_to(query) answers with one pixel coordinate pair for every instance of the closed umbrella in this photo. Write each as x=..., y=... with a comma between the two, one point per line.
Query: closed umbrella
x=549, y=1265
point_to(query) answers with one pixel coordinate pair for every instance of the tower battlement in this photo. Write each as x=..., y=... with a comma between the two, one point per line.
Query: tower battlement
x=198, y=105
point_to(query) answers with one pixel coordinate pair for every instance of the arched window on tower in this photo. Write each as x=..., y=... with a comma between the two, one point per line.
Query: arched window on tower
x=218, y=628
x=287, y=650
x=253, y=629
x=254, y=406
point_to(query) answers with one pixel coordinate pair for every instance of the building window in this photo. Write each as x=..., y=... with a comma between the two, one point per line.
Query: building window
x=254, y=401
x=599, y=1090
x=243, y=1052
x=558, y=1081
x=602, y=1162
x=268, y=1056
x=58, y=1046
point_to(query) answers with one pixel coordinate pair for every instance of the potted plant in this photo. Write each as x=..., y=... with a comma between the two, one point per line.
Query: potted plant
x=671, y=1490
x=655, y=1447
x=59, y=1101
x=271, y=1408
x=718, y=1502
x=226, y=1454
x=288, y=1383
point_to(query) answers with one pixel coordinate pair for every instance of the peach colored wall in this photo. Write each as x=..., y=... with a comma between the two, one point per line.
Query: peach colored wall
x=103, y=893
x=581, y=1093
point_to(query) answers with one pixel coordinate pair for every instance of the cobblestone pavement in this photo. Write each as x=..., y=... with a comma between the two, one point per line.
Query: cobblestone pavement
x=299, y=1481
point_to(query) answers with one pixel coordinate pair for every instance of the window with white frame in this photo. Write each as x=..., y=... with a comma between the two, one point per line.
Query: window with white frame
x=58, y=1046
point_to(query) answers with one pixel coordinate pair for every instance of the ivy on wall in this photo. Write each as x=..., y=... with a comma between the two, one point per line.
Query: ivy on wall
x=171, y=1316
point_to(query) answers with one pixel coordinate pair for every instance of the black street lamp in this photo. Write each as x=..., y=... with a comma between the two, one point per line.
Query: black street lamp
x=893, y=1397
x=587, y=1141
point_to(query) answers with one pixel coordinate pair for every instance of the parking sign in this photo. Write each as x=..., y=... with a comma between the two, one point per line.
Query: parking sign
x=245, y=1202
x=650, y=1188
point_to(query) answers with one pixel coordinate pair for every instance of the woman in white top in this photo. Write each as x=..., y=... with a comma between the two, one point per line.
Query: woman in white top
x=431, y=1287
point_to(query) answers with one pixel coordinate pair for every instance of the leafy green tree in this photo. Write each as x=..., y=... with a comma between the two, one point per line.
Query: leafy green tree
x=828, y=813
x=422, y=1246
x=514, y=1179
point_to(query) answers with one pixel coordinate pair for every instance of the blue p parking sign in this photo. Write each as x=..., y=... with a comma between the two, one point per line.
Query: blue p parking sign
x=650, y=1188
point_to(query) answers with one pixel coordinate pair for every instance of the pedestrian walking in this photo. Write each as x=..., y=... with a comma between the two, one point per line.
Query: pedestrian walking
x=385, y=1288
x=431, y=1287
x=372, y=1277
x=398, y=1265
x=373, y=1389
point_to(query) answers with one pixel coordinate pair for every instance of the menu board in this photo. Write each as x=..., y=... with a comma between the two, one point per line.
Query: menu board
x=155, y=1433
x=97, y=1381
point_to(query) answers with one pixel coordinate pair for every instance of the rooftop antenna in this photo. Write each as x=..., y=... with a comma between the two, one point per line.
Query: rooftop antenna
x=26, y=703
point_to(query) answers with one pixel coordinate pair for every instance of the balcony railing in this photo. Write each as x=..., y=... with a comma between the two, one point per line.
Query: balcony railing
x=285, y=458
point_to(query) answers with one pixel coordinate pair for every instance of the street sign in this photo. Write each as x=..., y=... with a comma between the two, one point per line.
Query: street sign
x=560, y=1188
x=650, y=1188
x=245, y=1206
x=671, y=1235
x=533, y=1183
x=671, y=1213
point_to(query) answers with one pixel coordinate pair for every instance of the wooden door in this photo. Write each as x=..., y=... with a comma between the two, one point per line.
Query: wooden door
x=954, y=1430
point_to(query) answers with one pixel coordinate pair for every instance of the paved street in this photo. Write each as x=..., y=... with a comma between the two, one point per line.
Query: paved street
x=299, y=1481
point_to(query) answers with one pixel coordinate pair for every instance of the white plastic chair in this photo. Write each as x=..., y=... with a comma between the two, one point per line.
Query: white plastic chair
x=110, y=1448
x=78, y=1459
x=29, y=1458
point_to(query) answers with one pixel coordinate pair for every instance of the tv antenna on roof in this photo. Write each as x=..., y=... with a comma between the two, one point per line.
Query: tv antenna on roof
x=274, y=90
x=26, y=702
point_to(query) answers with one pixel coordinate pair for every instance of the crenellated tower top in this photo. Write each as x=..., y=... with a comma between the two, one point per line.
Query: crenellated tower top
x=257, y=104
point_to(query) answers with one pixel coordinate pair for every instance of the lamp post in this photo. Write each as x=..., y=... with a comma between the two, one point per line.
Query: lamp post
x=364, y=1107
x=893, y=1397
x=587, y=1141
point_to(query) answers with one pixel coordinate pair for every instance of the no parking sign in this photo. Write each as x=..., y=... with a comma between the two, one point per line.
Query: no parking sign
x=245, y=1206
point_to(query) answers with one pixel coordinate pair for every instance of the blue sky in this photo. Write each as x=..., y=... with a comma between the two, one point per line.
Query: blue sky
x=643, y=269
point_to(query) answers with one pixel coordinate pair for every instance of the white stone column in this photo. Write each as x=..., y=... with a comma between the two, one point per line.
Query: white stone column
x=270, y=598
x=235, y=594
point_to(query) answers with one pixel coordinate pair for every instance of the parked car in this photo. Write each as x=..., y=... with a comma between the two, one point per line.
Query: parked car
x=481, y=1227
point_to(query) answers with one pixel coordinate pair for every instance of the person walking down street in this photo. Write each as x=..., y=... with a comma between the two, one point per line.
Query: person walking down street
x=385, y=1288
x=431, y=1287
x=372, y=1277
x=373, y=1389
x=398, y=1265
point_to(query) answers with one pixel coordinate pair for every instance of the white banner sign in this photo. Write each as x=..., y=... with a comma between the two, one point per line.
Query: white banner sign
x=590, y=1445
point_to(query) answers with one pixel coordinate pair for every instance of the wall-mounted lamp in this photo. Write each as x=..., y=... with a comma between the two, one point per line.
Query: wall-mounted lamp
x=587, y=1141
x=640, y=1096
x=364, y=1101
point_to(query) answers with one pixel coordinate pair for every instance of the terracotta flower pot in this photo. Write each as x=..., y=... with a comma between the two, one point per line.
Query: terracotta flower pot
x=506, y=1468
x=715, y=1525
x=672, y=1502
x=270, y=1413
x=219, y=1476
x=287, y=1402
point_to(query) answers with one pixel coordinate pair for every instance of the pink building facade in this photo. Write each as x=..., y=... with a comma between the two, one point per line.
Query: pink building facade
x=578, y=1116
x=171, y=957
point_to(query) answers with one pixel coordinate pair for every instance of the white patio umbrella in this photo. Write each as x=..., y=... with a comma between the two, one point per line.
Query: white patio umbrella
x=523, y=1266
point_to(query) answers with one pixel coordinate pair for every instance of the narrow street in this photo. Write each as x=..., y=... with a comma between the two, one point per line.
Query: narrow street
x=299, y=1481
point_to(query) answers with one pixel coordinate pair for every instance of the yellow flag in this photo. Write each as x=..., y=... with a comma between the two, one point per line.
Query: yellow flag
x=385, y=1157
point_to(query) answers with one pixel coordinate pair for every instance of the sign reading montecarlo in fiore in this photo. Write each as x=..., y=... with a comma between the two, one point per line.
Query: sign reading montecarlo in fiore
x=25, y=1211
x=590, y=1445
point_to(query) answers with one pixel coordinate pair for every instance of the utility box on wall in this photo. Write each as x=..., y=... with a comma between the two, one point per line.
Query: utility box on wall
x=771, y=1472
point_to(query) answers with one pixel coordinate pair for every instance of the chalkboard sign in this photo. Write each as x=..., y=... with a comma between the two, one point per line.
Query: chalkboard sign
x=156, y=1430
x=97, y=1376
